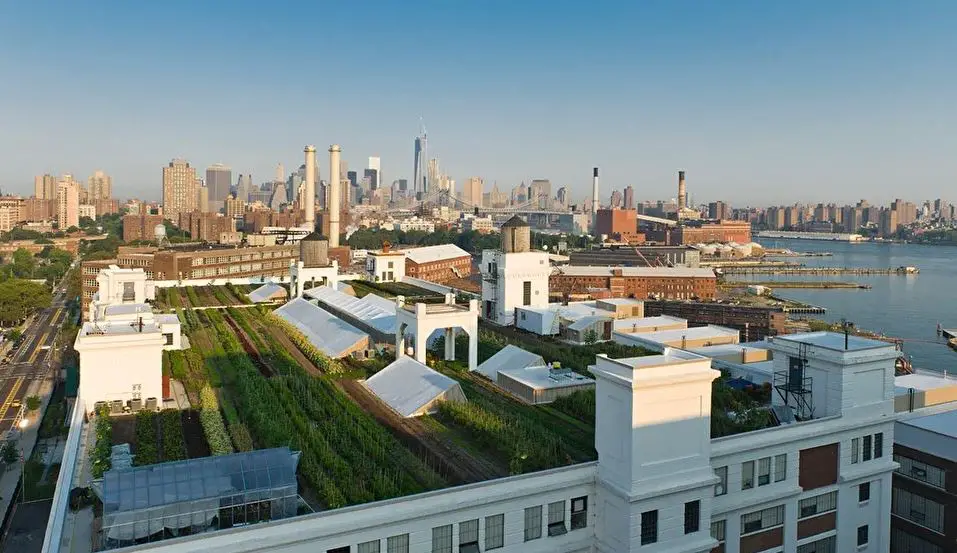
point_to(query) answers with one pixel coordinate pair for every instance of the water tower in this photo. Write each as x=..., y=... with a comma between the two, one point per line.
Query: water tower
x=159, y=232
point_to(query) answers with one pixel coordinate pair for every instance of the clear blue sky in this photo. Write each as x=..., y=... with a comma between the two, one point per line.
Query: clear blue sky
x=760, y=102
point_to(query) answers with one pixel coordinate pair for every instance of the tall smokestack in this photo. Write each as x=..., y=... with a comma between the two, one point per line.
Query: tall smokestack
x=335, y=182
x=682, y=191
x=594, y=191
x=309, y=199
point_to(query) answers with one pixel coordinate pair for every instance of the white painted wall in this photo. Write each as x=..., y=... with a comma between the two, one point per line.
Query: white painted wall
x=115, y=367
x=379, y=270
x=512, y=270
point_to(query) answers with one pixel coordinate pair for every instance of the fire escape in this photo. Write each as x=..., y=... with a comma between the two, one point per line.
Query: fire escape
x=794, y=386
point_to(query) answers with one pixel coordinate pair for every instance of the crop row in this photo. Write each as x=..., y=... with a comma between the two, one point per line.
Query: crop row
x=213, y=426
x=347, y=458
x=174, y=445
x=146, y=451
x=327, y=365
x=579, y=404
x=103, y=429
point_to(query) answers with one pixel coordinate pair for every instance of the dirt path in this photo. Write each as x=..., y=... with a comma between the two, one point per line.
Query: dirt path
x=447, y=458
x=248, y=346
x=304, y=362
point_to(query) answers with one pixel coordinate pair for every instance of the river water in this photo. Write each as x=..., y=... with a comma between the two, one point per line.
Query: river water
x=903, y=306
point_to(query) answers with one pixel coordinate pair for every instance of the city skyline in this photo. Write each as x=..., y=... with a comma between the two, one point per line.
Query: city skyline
x=860, y=111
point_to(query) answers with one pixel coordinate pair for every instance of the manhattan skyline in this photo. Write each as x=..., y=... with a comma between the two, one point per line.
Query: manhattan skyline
x=760, y=104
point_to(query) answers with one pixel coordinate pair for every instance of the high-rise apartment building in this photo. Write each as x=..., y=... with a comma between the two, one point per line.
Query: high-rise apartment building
x=218, y=180
x=906, y=211
x=44, y=187
x=375, y=164
x=68, y=203
x=420, y=176
x=472, y=192
x=235, y=207
x=99, y=187
x=179, y=189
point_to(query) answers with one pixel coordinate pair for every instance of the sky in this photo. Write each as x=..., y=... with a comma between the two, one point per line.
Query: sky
x=759, y=102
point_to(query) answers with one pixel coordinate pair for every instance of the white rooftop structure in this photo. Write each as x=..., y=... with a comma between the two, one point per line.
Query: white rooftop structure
x=429, y=254
x=674, y=272
x=542, y=384
x=509, y=357
x=419, y=320
x=268, y=292
x=120, y=360
x=686, y=338
x=412, y=389
x=331, y=335
x=376, y=311
x=935, y=434
x=132, y=313
x=646, y=324
x=923, y=381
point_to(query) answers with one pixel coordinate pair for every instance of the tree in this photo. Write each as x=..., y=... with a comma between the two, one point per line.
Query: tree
x=23, y=263
x=18, y=298
x=9, y=453
x=591, y=336
x=33, y=403
x=72, y=229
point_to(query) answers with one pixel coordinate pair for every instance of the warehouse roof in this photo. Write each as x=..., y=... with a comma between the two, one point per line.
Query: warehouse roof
x=585, y=322
x=410, y=387
x=672, y=337
x=375, y=311
x=543, y=377
x=935, y=434
x=330, y=334
x=509, y=357
x=643, y=272
x=648, y=322
x=267, y=292
x=429, y=254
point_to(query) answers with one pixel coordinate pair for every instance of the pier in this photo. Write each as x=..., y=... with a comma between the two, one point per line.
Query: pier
x=818, y=271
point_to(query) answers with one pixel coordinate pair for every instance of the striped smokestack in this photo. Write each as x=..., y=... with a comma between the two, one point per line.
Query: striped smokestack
x=682, y=191
x=594, y=191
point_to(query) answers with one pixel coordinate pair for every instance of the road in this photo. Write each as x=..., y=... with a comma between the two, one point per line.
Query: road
x=29, y=360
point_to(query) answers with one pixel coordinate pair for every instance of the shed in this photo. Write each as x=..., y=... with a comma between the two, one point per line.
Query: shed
x=333, y=336
x=542, y=384
x=509, y=357
x=580, y=331
x=268, y=292
x=412, y=389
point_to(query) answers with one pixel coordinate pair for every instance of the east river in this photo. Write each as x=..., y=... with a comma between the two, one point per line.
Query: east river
x=902, y=306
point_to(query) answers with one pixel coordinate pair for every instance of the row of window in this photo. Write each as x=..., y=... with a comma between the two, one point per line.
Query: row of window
x=926, y=473
x=904, y=541
x=917, y=509
x=649, y=522
x=867, y=447
x=468, y=535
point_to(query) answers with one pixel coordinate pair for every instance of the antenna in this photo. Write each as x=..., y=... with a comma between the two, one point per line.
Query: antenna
x=846, y=325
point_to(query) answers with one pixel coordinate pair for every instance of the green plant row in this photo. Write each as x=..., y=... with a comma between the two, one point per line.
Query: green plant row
x=172, y=297
x=579, y=404
x=192, y=297
x=146, y=451
x=241, y=437
x=103, y=428
x=326, y=364
x=220, y=294
x=213, y=425
x=174, y=444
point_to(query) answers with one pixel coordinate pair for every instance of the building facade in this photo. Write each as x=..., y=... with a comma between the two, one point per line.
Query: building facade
x=675, y=283
x=619, y=224
x=68, y=203
x=513, y=275
x=438, y=263
x=638, y=256
x=180, y=189
x=219, y=179
x=140, y=227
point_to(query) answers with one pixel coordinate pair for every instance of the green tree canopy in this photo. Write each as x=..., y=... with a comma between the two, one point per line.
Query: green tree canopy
x=23, y=263
x=19, y=298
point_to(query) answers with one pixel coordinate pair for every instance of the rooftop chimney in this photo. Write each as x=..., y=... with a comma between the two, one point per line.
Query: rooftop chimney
x=334, y=195
x=682, y=191
x=309, y=193
x=594, y=191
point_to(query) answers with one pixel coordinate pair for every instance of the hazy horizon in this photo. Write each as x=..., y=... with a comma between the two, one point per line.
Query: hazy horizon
x=760, y=103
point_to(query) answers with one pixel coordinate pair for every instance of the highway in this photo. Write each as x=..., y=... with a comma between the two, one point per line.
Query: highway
x=30, y=360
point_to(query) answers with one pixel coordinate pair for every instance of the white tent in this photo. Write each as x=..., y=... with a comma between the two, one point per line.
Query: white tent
x=268, y=292
x=412, y=389
x=509, y=357
x=333, y=336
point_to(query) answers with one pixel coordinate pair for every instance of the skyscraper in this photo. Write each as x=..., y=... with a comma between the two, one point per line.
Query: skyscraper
x=68, y=202
x=99, y=186
x=375, y=164
x=472, y=192
x=244, y=187
x=629, y=197
x=420, y=177
x=44, y=187
x=180, y=193
x=218, y=179
x=373, y=177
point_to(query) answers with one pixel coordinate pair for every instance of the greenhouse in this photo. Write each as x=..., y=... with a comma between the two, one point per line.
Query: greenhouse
x=155, y=502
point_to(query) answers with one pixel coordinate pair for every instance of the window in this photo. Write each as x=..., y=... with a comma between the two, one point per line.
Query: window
x=866, y=453
x=878, y=445
x=747, y=475
x=721, y=487
x=764, y=471
x=718, y=530
x=468, y=536
x=826, y=545
x=649, y=527
x=929, y=474
x=533, y=523
x=692, y=516
x=527, y=292
x=368, y=547
x=855, y=450
x=817, y=505
x=556, y=519
x=579, y=513
x=861, y=535
x=917, y=509
x=442, y=539
x=762, y=520
x=343, y=549
x=903, y=541
x=780, y=467
x=169, y=338
x=391, y=266
x=864, y=492
x=397, y=544
x=494, y=532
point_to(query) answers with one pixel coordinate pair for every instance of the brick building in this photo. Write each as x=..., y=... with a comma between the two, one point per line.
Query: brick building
x=140, y=227
x=38, y=209
x=721, y=231
x=619, y=224
x=256, y=220
x=206, y=227
x=438, y=263
x=678, y=283
x=106, y=206
x=754, y=323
